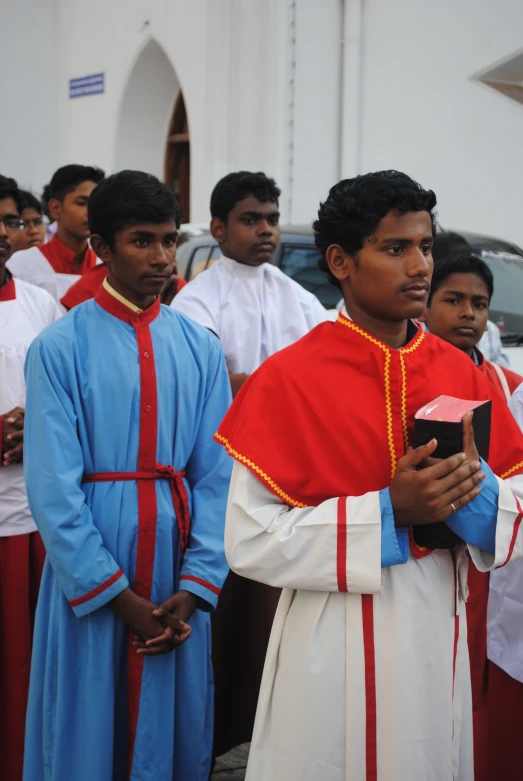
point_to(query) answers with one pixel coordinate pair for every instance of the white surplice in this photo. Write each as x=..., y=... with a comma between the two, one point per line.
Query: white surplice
x=22, y=318
x=388, y=659
x=32, y=266
x=254, y=310
x=505, y=608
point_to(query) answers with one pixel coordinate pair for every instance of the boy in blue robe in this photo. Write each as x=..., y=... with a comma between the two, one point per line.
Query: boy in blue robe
x=129, y=492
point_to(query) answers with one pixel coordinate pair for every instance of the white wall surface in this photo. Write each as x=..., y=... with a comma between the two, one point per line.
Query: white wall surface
x=424, y=115
x=262, y=86
x=28, y=91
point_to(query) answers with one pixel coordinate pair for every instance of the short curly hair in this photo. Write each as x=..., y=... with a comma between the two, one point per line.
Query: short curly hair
x=239, y=185
x=355, y=207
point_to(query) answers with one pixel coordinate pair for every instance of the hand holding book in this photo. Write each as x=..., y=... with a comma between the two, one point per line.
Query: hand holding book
x=426, y=496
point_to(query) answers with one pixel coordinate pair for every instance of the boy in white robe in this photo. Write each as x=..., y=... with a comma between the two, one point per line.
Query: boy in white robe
x=253, y=307
x=25, y=310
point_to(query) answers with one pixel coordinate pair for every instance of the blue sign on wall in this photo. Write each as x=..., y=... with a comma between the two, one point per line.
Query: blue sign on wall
x=88, y=85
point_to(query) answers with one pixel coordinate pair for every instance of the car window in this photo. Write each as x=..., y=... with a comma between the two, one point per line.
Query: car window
x=507, y=300
x=301, y=264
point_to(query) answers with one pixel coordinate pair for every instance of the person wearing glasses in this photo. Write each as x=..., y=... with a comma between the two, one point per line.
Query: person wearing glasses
x=25, y=310
x=33, y=229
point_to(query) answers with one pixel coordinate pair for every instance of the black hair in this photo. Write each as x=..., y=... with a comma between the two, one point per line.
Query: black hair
x=67, y=179
x=129, y=198
x=464, y=263
x=355, y=207
x=448, y=243
x=237, y=186
x=30, y=201
x=45, y=200
x=10, y=189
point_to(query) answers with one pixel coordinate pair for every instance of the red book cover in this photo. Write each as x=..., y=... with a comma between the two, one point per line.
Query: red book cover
x=442, y=418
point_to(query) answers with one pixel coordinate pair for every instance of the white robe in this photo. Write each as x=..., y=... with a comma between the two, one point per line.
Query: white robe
x=32, y=266
x=21, y=320
x=387, y=661
x=505, y=608
x=254, y=310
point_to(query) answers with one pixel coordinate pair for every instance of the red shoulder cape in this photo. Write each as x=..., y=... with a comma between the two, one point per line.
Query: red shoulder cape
x=61, y=258
x=332, y=414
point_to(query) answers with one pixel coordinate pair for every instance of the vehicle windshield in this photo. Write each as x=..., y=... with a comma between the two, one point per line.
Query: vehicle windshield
x=507, y=302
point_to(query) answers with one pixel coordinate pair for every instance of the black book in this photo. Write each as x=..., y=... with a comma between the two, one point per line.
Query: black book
x=442, y=419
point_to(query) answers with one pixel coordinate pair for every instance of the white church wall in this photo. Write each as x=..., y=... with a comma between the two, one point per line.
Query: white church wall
x=28, y=91
x=423, y=113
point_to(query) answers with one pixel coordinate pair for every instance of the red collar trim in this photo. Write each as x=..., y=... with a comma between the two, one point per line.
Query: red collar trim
x=411, y=345
x=8, y=291
x=54, y=245
x=115, y=308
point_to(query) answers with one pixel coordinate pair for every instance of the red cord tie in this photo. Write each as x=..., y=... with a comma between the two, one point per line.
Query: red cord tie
x=178, y=491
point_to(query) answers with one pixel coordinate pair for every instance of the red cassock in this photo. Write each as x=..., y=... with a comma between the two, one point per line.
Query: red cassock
x=331, y=415
x=498, y=750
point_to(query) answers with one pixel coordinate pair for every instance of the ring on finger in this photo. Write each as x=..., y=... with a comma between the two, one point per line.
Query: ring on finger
x=453, y=507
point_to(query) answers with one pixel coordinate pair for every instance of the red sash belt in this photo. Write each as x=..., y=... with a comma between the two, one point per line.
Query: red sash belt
x=178, y=491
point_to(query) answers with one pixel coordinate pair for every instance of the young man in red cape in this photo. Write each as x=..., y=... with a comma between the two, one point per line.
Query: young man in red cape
x=367, y=673
x=457, y=311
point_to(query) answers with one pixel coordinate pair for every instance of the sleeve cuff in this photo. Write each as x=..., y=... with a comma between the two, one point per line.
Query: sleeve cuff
x=394, y=540
x=100, y=596
x=201, y=588
x=476, y=522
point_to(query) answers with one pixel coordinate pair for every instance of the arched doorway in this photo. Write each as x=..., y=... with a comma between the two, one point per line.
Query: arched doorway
x=145, y=112
x=178, y=156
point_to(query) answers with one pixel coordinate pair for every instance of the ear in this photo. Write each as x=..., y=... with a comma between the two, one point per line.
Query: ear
x=340, y=263
x=101, y=247
x=54, y=207
x=218, y=229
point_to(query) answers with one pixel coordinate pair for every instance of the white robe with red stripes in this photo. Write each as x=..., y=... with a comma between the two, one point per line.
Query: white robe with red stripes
x=370, y=685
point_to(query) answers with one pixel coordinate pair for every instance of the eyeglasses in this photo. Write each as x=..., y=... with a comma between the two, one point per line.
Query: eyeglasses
x=12, y=223
x=37, y=222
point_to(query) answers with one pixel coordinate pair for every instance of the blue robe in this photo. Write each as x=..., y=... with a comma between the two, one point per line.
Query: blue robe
x=103, y=385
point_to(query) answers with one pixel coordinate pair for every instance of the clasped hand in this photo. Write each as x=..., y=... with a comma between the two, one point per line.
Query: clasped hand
x=156, y=629
x=428, y=490
x=13, y=437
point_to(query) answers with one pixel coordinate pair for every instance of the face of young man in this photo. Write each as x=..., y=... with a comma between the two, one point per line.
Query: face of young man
x=389, y=278
x=251, y=234
x=71, y=213
x=8, y=232
x=458, y=311
x=142, y=260
x=33, y=232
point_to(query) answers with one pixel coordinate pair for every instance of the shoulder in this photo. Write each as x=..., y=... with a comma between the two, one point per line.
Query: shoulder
x=62, y=336
x=301, y=362
x=40, y=302
x=22, y=258
x=194, y=333
x=203, y=283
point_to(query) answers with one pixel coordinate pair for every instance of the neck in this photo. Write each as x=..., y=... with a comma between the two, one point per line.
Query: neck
x=75, y=243
x=470, y=352
x=138, y=299
x=391, y=332
x=3, y=275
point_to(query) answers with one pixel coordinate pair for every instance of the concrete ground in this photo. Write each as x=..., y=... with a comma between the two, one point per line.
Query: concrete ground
x=232, y=766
